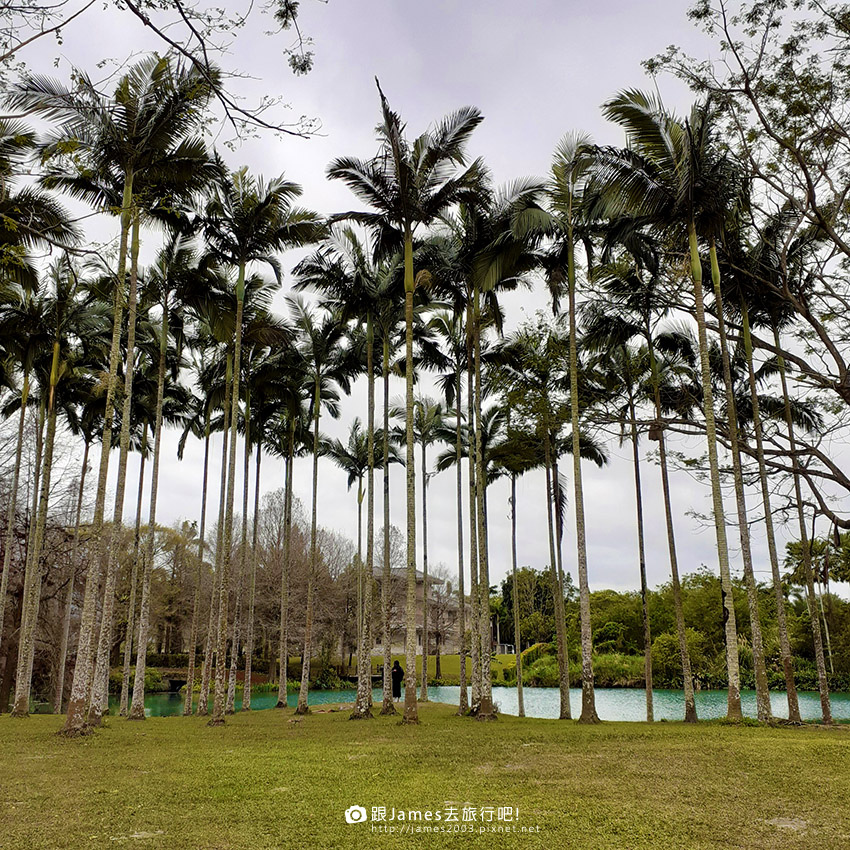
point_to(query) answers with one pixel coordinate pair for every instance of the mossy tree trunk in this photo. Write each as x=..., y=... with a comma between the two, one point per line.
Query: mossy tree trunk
x=137, y=708
x=99, y=702
x=196, y=601
x=387, y=706
x=124, y=702
x=733, y=703
x=763, y=709
x=779, y=593
x=61, y=662
x=411, y=713
x=78, y=703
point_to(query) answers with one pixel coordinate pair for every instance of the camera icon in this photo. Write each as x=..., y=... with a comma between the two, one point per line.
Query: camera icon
x=355, y=814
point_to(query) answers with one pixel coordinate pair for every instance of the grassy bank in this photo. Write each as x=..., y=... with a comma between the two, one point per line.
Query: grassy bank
x=265, y=781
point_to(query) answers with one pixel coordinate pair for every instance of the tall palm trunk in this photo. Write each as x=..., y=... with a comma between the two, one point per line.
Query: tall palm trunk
x=13, y=497
x=733, y=703
x=485, y=711
x=196, y=603
x=424, y=685
x=387, y=706
x=137, y=708
x=32, y=580
x=763, y=709
x=805, y=551
x=472, y=472
x=411, y=713
x=657, y=433
x=588, y=698
x=463, y=704
x=79, y=700
x=134, y=578
x=557, y=582
x=99, y=704
x=644, y=593
x=283, y=649
x=363, y=702
x=302, y=707
x=252, y=594
x=781, y=615
x=210, y=643
x=517, y=644
x=59, y=693
x=217, y=718
x=230, y=706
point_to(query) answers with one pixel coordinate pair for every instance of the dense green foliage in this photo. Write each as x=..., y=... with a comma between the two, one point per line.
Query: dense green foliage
x=618, y=633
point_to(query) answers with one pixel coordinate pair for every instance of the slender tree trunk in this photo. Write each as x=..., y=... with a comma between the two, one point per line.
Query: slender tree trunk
x=387, y=706
x=283, y=649
x=517, y=644
x=687, y=677
x=732, y=668
x=781, y=615
x=230, y=707
x=302, y=707
x=134, y=578
x=32, y=528
x=424, y=685
x=217, y=718
x=99, y=703
x=463, y=706
x=474, y=626
x=363, y=702
x=411, y=713
x=32, y=594
x=137, y=708
x=196, y=602
x=13, y=498
x=249, y=639
x=805, y=551
x=557, y=584
x=588, y=698
x=763, y=708
x=644, y=593
x=59, y=693
x=78, y=704
x=486, y=710
x=210, y=643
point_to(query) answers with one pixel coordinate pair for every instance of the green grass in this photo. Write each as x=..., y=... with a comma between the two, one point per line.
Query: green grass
x=263, y=781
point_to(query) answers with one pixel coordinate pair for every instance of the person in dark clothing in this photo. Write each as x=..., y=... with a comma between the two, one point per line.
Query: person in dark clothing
x=398, y=675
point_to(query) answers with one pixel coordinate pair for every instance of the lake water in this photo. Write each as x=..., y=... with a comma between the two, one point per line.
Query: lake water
x=611, y=703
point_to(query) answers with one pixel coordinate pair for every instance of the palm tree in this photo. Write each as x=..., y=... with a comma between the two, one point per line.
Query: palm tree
x=409, y=185
x=327, y=365
x=449, y=327
x=198, y=422
x=68, y=313
x=262, y=331
x=632, y=303
x=625, y=368
x=427, y=421
x=30, y=218
x=672, y=177
x=141, y=136
x=288, y=437
x=355, y=288
x=566, y=191
x=245, y=221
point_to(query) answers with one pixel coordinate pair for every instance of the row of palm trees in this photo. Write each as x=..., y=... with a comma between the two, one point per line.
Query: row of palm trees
x=411, y=283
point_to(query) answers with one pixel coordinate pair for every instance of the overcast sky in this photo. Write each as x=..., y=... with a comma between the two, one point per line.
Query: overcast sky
x=537, y=70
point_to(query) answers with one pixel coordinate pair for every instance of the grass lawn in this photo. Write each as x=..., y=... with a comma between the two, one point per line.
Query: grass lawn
x=263, y=781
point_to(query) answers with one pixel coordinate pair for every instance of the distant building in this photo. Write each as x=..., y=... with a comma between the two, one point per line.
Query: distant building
x=443, y=613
